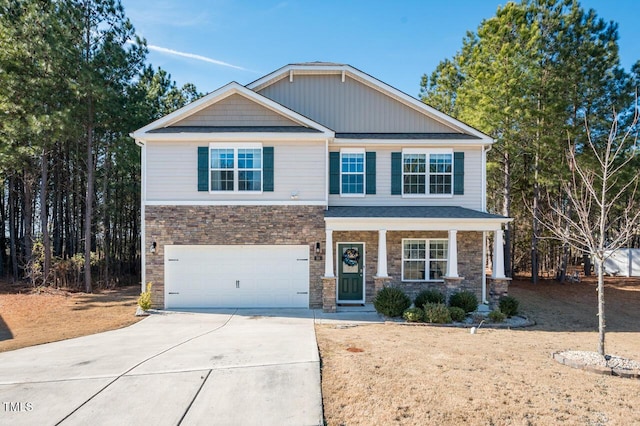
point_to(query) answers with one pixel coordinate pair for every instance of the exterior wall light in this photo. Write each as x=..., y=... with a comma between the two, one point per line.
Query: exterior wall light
x=153, y=246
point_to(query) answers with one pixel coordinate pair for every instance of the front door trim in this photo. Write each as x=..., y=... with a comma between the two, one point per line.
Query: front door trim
x=339, y=271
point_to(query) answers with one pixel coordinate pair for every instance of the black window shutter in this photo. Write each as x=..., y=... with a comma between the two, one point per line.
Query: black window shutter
x=267, y=169
x=334, y=173
x=203, y=168
x=371, y=172
x=396, y=173
x=458, y=173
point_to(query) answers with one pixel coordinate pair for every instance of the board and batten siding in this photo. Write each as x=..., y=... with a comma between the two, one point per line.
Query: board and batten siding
x=172, y=173
x=236, y=110
x=350, y=107
x=471, y=199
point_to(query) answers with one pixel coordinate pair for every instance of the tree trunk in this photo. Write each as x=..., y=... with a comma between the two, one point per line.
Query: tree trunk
x=12, y=228
x=535, y=268
x=44, y=218
x=89, y=201
x=106, y=218
x=506, y=211
x=534, y=237
x=27, y=190
x=601, y=318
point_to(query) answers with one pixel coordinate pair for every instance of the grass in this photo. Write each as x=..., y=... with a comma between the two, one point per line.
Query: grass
x=431, y=375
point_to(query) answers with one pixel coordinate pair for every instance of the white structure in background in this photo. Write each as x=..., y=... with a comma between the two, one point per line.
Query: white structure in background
x=624, y=262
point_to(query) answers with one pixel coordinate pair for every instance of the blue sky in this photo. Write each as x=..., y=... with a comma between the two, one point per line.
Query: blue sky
x=212, y=42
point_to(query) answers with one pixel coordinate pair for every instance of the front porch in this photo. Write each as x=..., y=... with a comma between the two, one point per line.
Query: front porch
x=414, y=248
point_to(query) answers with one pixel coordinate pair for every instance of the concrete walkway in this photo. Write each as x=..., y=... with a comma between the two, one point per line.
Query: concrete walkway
x=235, y=367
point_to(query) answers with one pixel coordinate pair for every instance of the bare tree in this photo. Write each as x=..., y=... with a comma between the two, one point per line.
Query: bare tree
x=599, y=210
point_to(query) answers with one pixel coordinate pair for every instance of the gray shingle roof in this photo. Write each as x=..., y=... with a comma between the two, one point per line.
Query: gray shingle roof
x=414, y=212
x=447, y=136
x=235, y=129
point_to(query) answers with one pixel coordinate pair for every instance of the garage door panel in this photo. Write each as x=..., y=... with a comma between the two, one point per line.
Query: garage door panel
x=236, y=276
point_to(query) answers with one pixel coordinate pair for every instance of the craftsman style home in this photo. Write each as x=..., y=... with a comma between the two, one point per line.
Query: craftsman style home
x=313, y=187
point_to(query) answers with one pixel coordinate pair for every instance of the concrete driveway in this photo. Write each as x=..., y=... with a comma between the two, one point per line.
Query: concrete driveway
x=235, y=367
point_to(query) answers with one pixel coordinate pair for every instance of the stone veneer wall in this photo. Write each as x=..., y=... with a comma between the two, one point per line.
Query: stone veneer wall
x=470, y=265
x=213, y=225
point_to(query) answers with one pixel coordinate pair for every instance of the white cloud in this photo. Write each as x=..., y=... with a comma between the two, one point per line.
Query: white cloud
x=193, y=56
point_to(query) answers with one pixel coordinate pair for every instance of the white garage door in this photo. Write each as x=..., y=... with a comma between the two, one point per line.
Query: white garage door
x=249, y=276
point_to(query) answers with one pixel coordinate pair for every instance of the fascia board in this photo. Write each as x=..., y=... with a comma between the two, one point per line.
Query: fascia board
x=410, y=142
x=234, y=136
x=413, y=224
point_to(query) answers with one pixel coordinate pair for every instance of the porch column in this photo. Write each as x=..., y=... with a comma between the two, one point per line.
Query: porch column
x=498, y=255
x=452, y=259
x=382, y=254
x=328, y=259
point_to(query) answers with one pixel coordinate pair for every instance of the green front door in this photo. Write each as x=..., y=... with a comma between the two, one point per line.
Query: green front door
x=351, y=278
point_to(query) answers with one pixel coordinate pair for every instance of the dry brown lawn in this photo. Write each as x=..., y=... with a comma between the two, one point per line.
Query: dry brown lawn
x=30, y=318
x=387, y=374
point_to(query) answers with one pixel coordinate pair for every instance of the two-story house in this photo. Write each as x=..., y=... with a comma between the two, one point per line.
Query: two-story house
x=314, y=186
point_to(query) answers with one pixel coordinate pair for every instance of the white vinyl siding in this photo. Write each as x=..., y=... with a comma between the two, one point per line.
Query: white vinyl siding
x=236, y=110
x=472, y=198
x=299, y=167
x=350, y=107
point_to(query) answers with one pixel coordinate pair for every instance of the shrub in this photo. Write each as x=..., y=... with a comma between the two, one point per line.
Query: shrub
x=457, y=314
x=413, y=315
x=144, y=301
x=509, y=306
x=391, y=301
x=497, y=316
x=437, y=313
x=465, y=300
x=428, y=296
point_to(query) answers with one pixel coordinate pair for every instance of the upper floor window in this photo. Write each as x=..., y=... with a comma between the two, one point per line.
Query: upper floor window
x=352, y=172
x=427, y=172
x=236, y=169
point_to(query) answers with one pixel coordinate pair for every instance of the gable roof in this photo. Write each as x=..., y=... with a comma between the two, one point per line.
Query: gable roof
x=343, y=70
x=168, y=124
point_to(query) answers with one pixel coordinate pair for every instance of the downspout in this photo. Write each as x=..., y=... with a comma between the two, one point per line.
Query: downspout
x=484, y=176
x=143, y=227
x=326, y=174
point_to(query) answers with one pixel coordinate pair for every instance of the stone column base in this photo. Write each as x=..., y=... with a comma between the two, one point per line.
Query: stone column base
x=452, y=285
x=498, y=287
x=329, y=294
x=379, y=283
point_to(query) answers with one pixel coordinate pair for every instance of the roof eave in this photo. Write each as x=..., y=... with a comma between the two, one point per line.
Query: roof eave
x=414, y=224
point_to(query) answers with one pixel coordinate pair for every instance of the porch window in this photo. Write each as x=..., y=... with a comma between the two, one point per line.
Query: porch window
x=352, y=172
x=427, y=172
x=424, y=259
x=235, y=169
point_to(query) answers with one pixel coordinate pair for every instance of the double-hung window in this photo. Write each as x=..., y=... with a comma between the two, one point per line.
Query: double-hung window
x=424, y=259
x=352, y=172
x=235, y=169
x=427, y=172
